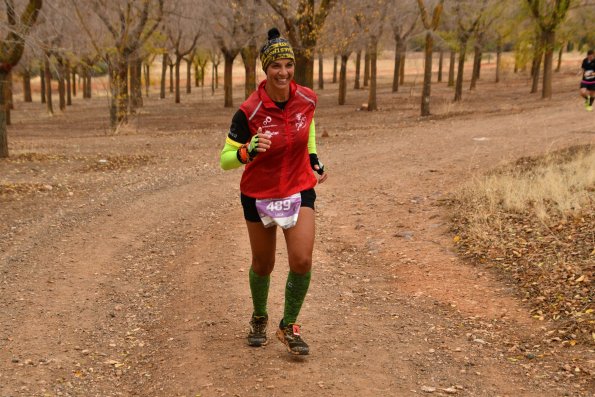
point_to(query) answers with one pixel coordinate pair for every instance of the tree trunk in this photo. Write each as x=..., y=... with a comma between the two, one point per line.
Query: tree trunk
x=475, y=70
x=304, y=67
x=147, y=70
x=163, y=76
x=68, y=84
x=320, y=71
x=27, y=86
x=74, y=82
x=202, y=74
x=217, y=76
x=498, y=60
x=227, y=78
x=188, y=76
x=213, y=74
x=249, y=54
x=7, y=95
x=459, y=85
x=177, y=65
x=119, y=90
x=397, y=71
x=3, y=131
x=398, y=60
x=61, y=86
x=171, y=78
x=560, y=52
x=358, y=67
x=372, y=101
x=10, y=92
x=48, y=86
x=343, y=79
x=535, y=70
x=440, y=65
x=42, y=81
x=197, y=76
x=402, y=71
x=335, y=63
x=451, y=69
x=367, y=67
x=427, y=87
x=549, y=39
x=136, y=84
x=85, y=84
x=89, y=79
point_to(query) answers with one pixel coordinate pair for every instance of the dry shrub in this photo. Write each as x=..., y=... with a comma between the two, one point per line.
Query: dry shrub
x=534, y=221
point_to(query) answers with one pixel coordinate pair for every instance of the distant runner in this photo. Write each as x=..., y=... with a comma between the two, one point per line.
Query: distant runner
x=588, y=81
x=273, y=133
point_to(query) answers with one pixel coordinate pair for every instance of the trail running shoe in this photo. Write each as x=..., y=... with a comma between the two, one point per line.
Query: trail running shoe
x=258, y=331
x=589, y=108
x=290, y=336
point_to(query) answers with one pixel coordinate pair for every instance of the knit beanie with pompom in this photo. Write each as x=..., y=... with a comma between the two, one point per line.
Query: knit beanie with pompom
x=275, y=48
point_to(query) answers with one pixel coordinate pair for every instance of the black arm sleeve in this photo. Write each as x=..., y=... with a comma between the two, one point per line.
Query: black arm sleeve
x=239, y=131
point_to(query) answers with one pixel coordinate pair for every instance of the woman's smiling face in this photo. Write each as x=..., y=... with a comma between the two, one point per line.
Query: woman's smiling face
x=280, y=73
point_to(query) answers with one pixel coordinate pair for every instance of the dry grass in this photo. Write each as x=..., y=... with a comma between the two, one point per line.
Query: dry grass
x=534, y=221
x=561, y=182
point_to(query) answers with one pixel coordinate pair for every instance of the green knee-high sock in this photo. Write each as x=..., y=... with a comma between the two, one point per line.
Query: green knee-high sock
x=259, y=285
x=295, y=293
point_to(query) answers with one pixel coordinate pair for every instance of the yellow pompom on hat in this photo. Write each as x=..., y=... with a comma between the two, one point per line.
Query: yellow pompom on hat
x=275, y=48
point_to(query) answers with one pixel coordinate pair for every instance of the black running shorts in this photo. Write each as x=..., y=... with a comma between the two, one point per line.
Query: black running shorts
x=249, y=204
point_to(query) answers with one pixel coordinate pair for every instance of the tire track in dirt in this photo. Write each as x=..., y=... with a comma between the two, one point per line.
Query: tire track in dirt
x=80, y=308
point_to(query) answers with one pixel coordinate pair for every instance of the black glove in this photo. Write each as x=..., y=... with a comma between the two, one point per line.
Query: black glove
x=314, y=161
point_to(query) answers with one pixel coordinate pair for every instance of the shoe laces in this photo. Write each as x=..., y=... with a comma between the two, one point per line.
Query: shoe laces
x=293, y=331
x=259, y=323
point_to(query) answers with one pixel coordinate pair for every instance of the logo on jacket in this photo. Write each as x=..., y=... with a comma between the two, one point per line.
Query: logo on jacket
x=267, y=122
x=300, y=121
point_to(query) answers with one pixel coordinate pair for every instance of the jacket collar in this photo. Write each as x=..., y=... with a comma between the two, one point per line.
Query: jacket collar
x=267, y=101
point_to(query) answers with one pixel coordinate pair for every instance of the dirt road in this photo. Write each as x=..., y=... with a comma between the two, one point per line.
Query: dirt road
x=125, y=272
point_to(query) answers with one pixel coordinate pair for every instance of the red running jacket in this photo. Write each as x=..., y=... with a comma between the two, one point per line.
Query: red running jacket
x=284, y=169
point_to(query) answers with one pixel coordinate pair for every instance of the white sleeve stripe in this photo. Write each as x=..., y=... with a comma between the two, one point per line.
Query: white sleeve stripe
x=306, y=98
x=255, y=110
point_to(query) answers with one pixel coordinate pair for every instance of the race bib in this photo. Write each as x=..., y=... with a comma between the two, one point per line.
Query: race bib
x=283, y=212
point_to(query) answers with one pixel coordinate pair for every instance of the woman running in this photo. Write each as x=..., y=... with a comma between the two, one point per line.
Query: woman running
x=588, y=81
x=273, y=134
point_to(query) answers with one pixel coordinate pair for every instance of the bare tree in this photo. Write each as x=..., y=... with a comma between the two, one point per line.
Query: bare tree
x=343, y=32
x=183, y=29
x=303, y=23
x=374, y=17
x=548, y=15
x=467, y=19
x=25, y=69
x=14, y=32
x=126, y=28
x=201, y=59
x=215, y=57
x=229, y=34
x=253, y=28
x=403, y=20
x=503, y=30
x=430, y=23
x=493, y=12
